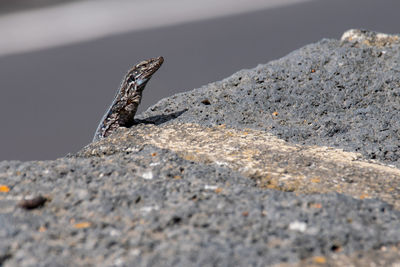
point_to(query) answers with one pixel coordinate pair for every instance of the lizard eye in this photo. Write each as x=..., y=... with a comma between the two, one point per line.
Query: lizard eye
x=131, y=79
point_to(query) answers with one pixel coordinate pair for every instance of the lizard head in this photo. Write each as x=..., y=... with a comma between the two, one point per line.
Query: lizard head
x=140, y=74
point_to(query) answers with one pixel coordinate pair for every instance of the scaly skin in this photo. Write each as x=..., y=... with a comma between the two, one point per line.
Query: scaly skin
x=125, y=104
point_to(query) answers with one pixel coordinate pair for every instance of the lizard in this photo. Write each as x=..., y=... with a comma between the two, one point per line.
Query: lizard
x=127, y=99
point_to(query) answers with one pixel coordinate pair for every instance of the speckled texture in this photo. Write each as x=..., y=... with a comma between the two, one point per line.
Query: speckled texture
x=150, y=207
x=270, y=161
x=190, y=191
x=332, y=93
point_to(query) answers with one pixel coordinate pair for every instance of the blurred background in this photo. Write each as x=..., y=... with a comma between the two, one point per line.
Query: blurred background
x=61, y=61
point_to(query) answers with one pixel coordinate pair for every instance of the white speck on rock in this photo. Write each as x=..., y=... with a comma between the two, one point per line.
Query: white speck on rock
x=349, y=34
x=135, y=252
x=115, y=232
x=119, y=262
x=147, y=175
x=298, y=226
x=210, y=187
x=382, y=35
x=149, y=208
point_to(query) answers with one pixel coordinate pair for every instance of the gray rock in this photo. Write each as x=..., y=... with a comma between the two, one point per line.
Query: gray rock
x=187, y=192
x=334, y=93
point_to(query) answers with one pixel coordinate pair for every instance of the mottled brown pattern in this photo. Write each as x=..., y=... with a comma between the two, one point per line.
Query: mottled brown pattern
x=125, y=104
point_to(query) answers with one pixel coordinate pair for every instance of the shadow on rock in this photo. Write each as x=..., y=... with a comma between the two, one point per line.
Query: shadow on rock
x=160, y=119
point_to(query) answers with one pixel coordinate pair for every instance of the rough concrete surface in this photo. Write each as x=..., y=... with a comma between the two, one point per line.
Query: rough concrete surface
x=292, y=163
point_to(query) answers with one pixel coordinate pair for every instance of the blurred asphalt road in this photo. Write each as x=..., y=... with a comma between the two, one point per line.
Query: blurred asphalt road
x=51, y=100
x=79, y=21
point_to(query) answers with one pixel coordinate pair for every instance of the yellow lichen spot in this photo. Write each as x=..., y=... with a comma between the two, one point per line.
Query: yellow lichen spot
x=273, y=186
x=218, y=190
x=319, y=260
x=315, y=180
x=366, y=42
x=229, y=134
x=316, y=205
x=177, y=177
x=4, y=188
x=82, y=225
x=190, y=157
x=264, y=213
x=363, y=196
